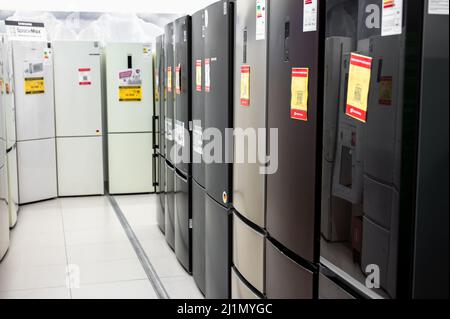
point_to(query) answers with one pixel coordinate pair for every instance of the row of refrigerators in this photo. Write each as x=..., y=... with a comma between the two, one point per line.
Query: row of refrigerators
x=358, y=207
x=73, y=115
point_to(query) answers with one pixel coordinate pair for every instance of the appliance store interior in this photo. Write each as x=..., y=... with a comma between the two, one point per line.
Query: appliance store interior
x=232, y=149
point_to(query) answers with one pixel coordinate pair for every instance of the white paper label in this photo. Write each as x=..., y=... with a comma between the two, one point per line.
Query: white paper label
x=207, y=75
x=169, y=133
x=309, y=15
x=197, y=140
x=260, y=20
x=392, y=17
x=439, y=7
x=179, y=133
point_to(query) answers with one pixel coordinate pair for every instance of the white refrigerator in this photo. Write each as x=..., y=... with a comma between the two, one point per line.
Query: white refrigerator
x=35, y=120
x=78, y=109
x=130, y=117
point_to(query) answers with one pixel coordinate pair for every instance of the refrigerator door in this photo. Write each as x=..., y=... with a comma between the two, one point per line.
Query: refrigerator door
x=328, y=289
x=431, y=269
x=160, y=94
x=169, y=113
x=129, y=83
x=36, y=161
x=161, y=206
x=239, y=289
x=33, y=83
x=78, y=97
x=291, y=191
x=4, y=216
x=183, y=229
x=217, y=250
x=219, y=43
x=183, y=106
x=170, y=205
x=198, y=235
x=130, y=169
x=80, y=166
x=248, y=253
x=198, y=95
x=285, y=279
x=250, y=113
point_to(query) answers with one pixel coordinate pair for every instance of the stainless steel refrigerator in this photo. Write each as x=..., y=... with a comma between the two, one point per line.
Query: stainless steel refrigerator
x=250, y=114
x=219, y=43
x=183, y=115
x=293, y=191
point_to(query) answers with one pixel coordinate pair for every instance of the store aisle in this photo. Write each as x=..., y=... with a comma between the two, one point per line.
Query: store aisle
x=77, y=248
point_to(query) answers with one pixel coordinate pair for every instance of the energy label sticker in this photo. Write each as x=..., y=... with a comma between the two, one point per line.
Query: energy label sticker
x=130, y=85
x=84, y=76
x=245, y=85
x=299, y=94
x=260, y=20
x=33, y=73
x=208, y=75
x=358, y=86
x=392, y=17
x=309, y=15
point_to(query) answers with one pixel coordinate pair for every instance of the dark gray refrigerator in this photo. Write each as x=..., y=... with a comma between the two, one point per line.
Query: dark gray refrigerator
x=182, y=136
x=293, y=191
x=219, y=43
x=250, y=114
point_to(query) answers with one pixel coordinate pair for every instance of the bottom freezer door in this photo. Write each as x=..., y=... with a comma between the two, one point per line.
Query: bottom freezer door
x=285, y=279
x=239, y=289
x=217, y=247
x=36, y=166
x=80, y=166
x=183, y=233
x=160, y=214
x=170, y=206
x=198, y=235
x=130, y=163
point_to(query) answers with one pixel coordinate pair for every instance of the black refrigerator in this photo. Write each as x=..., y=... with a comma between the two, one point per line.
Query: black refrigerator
x=169, y=134
x=218, y=86
x=159, y=135
x=373, y=115
x=198, y=166
x=250, y=115
x=293, y=191
x=182, y=137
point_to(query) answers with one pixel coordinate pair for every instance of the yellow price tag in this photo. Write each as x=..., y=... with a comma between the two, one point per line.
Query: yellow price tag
x=358, y=86
x=299, y=94
x=130, y=93
x=34, y=85
x=245, y=85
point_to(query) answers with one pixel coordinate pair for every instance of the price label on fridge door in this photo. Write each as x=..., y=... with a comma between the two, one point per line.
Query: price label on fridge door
x=34, y=85
x=84, y=76
x=169, y=79
x=245, y=85
x=130, y=85
x=33, y=74
x=178, y=79
x=392, y=14
x=208, y=75
x=198, y=75
x=309, y=15
x=358, y=86
x=299, y=94
x=439, y=7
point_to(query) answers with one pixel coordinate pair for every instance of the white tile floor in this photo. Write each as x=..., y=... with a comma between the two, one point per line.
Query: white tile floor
x=79, y=241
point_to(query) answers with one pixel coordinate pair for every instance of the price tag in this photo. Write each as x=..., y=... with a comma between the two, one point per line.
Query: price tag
x=299, y=94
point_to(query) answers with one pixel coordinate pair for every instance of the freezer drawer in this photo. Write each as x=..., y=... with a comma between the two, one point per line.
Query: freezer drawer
x=183, y=230
x=129, y=116
x=285, y=279
x=170, y=206
x=218, y=250
x=239, y=289
x=78, y=95
x=198, y=235
x=13, y=188
x=35, y=111
x=4, y=216
x=248, y=253
x=160, y=215
x=130, y=163
x=330, y=290
x=80, y=166
x=36, y=168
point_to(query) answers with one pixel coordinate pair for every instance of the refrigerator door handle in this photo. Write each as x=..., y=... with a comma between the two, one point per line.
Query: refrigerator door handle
x=287, y=30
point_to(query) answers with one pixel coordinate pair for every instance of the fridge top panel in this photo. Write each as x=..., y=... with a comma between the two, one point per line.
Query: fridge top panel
x=129, y=81
x=250, y=109
x=294, y=66
x=33, y=90
x=78, y=96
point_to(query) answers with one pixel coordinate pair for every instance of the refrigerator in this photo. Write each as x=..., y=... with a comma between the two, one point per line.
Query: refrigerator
x=182, y=136
x=169, y=50
x=129, y=82
x=371, y=239
x=219, y=45
x=78, y=113
x=10, y=125
x=160, y=138
x=198, y=166
x=250, y=115
x=4, y=211
x=35, y=120
x=294, y=67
